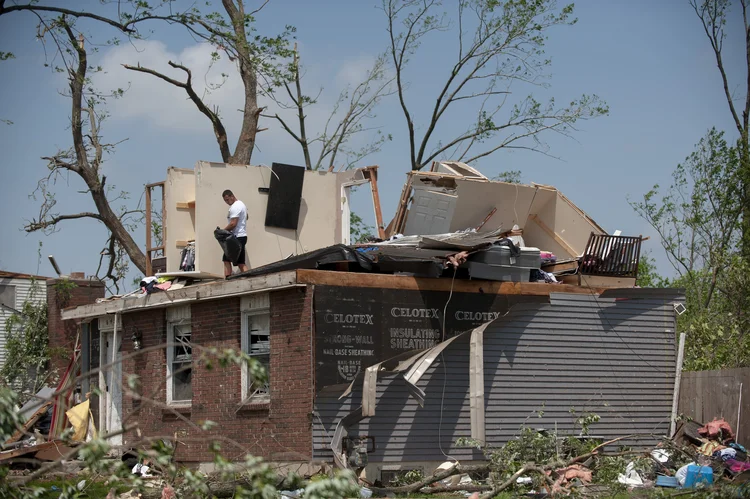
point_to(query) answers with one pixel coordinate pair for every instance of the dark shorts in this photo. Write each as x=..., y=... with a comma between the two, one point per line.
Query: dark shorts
x=241, y=258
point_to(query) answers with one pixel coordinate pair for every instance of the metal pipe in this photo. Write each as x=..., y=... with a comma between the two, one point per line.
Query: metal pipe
x=677, y=380
x=739, y=409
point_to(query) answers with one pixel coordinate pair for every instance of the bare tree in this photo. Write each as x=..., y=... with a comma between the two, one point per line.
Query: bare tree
x=233, y=34
x=86, y=157
x=499, y=45
x=347, y=119
x=257, y=59
x=713, y=17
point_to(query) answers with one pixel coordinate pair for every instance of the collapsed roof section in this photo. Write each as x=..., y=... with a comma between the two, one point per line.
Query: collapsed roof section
x=454, y=197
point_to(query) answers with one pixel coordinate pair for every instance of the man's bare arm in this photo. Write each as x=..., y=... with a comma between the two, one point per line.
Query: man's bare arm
x=232, y=224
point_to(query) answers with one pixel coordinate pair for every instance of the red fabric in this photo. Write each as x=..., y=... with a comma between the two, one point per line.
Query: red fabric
x=64, y=393
x=714, y=429
x=737, y=466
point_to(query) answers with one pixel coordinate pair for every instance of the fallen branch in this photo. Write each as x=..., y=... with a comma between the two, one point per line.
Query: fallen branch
x=595, y=450
x=68, y=456
x=456, y=488
x=512, y=480
x=416, y=486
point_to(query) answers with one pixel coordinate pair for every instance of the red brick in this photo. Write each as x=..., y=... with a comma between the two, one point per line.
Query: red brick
x=62, y=334
x=280, y=430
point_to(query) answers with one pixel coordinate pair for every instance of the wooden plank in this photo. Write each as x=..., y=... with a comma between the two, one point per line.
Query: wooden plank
x=195, y=274
x=552, y=234
x=371, y=172
x=180, y=243
x=186, y=206
x=607, y=282
x=22, y=451
x=360, y=280
x=560, y=267
x=148, y=231
x=53, y=453
x=402, y=208
x=29, y=423
x=163, y=220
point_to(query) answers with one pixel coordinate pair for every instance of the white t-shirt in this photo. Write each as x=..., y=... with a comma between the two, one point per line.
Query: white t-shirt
x=238, y=210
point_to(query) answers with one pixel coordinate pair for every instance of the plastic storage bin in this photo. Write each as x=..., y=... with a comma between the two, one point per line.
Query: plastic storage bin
x=498, y=272
x=500, y=255
x=496, y=264
x=699, y=475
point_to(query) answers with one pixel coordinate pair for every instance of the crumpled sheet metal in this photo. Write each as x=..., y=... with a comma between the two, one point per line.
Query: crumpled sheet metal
x=415, y=363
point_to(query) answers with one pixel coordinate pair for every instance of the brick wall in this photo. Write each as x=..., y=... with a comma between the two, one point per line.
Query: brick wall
x=278, y=431
x=62, y=334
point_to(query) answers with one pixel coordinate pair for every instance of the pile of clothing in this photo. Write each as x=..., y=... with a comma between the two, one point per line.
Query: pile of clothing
x=717, y=441
x=152, y=284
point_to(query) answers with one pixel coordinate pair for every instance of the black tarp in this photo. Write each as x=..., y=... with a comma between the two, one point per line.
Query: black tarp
x=318, y=259
x=284, y=196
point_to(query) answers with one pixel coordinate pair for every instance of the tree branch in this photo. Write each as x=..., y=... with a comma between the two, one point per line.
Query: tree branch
x=73, y=13
x=219, y=130
x=713, y=25
x=35, y=225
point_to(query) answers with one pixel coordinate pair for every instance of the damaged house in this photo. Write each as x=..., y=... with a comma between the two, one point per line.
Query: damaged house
x=387, y=355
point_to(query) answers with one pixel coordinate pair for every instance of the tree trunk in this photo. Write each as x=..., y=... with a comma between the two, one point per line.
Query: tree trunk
x=246, y=141
x=86, y=170
x=114, y=224
x=301, y=113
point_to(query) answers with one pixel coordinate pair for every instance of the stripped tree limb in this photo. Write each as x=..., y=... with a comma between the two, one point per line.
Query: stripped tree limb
x=499, y=46
x=85, y=158
x=219, y=130
x=713, y=15
x=512, y=480
x=346, y=120
x=414, y=487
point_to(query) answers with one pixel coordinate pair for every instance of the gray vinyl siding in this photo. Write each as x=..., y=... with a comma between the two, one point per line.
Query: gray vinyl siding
x=23, y=291
x=615, y=358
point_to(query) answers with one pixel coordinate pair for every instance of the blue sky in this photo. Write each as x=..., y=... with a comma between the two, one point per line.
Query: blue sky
x=649, y=60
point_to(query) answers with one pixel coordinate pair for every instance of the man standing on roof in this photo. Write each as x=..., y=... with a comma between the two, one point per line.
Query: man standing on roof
x=236, y=224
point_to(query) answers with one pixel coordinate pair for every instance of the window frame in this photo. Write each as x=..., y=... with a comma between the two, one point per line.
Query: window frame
x=254, y=306
x=181, y=319
x=10, y=288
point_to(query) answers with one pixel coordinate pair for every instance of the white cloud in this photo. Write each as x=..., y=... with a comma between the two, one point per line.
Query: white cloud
x=162, y=104
x=154, y=102
x=354, y=71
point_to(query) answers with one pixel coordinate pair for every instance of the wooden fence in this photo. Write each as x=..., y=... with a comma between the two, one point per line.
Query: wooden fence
x=705, y=395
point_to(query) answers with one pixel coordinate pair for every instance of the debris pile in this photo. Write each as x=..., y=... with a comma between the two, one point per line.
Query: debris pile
x=542, y=462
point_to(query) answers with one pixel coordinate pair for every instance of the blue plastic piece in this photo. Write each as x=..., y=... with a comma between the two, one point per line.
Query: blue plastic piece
x=667, y=481
x=699, y=475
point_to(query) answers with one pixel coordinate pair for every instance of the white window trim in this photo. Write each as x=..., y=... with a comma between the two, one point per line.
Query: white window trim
x=180, y=317
x=252, y=307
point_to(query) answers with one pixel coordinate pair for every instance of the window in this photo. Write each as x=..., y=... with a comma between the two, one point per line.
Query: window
x=256, y=342
x=179, y=356
x=8, y=296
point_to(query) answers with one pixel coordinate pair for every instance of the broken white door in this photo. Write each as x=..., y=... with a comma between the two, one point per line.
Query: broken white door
x=431, y=212
x=110, y=384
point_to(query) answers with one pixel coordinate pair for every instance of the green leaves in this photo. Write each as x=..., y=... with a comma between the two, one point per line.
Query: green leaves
x=26, y=345
x=358, y=230
x=698, y=219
